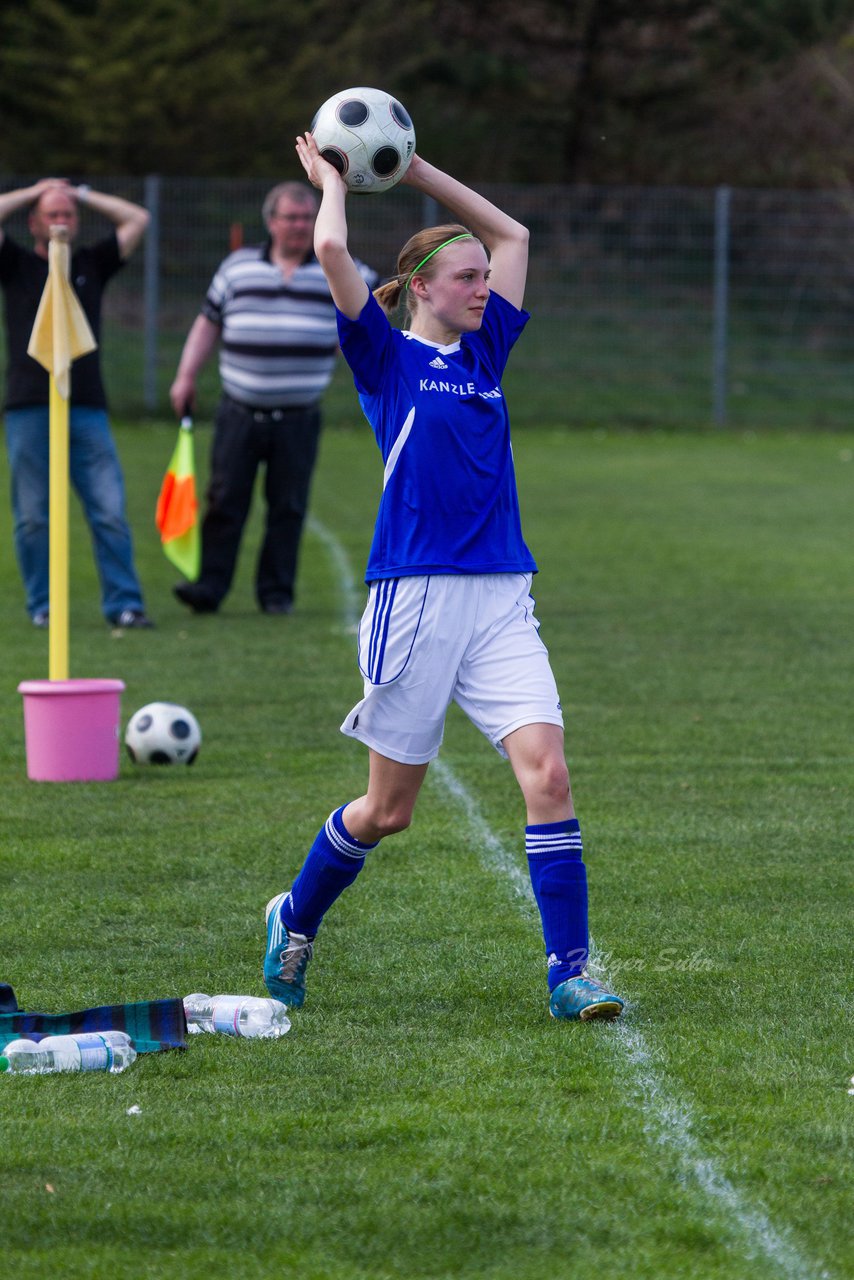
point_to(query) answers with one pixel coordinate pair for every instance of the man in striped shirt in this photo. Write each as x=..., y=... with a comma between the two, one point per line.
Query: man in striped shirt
x=270, y=311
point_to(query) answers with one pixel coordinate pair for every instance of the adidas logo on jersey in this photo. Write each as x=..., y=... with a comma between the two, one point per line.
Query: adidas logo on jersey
x=438, y=363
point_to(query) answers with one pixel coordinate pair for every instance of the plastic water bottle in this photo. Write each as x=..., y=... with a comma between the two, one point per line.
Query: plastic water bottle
x=22, y=1057
x=85, y=1051
x=251, y=1017
x=92, y=1051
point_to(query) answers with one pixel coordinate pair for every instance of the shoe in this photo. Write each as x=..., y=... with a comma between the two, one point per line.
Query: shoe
x=130, y=619
x=41, y=619
x=584, y=998
x=196, y=597
x=277, y=606
x=286, y=959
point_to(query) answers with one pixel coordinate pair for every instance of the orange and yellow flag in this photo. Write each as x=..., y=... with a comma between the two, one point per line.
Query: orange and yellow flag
x=177, y=507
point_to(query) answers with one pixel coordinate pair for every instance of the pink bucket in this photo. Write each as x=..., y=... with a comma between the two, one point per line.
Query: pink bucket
x=71, y=729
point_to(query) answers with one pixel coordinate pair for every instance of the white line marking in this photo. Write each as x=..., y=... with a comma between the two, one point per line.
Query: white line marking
x=341, y=564
x=668, y=1121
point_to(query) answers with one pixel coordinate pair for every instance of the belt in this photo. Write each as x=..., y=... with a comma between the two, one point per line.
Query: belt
x=269, y=415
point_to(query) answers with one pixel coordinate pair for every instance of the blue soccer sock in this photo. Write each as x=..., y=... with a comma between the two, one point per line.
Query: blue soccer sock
x=559, y=880
x=332, y=863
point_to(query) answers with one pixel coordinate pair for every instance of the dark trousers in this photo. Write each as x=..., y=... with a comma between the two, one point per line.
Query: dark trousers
x=286, y=441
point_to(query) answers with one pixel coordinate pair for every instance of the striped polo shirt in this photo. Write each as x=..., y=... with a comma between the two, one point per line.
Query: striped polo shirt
x=279, y=337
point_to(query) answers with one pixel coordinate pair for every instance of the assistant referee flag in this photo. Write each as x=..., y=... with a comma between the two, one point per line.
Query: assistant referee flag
x=177, y=507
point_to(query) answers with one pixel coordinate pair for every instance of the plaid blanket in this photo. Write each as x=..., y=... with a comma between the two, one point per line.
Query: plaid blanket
x=152, y=1025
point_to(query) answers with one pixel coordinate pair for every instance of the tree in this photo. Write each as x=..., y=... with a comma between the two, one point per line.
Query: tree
x=670, y=91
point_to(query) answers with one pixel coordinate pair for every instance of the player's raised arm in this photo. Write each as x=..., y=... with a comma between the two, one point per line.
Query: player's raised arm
x=506, y=239
x=348, y=288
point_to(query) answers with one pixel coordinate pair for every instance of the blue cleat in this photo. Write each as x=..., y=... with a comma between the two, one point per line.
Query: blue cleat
x=286, y=959
x=584, y=998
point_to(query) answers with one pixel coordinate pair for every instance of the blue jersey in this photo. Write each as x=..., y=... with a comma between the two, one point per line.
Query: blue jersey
x=449, y=502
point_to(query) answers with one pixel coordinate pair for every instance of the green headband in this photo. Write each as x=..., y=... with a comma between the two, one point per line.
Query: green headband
x=464, y=235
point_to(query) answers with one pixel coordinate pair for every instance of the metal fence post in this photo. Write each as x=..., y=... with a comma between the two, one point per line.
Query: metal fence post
x=721, y=306
x=151, y=293
x=429, y=211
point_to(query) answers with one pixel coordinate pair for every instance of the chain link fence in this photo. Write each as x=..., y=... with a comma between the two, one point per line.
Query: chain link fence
x=652, y=307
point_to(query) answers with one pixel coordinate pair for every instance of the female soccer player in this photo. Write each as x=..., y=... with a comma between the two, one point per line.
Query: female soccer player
x=449, y=614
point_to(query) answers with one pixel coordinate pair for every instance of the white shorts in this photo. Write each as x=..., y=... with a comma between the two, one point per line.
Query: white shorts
x=469, y=638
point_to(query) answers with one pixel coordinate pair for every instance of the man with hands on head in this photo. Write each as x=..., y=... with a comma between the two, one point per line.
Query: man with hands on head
x=94, y=465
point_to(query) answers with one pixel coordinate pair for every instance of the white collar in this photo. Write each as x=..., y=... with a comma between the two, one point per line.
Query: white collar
x=447, y=349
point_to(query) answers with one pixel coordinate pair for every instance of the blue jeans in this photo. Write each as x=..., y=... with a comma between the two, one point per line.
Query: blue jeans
x=97, y=478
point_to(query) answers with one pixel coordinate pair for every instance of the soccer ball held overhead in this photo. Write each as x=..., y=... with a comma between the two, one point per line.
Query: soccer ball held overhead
x=367, y=135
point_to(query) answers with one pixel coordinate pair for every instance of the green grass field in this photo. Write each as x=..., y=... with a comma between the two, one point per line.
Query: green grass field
x=425, y=1119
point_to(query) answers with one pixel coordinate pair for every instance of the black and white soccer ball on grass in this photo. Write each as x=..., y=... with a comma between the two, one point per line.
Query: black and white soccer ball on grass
x=367, y=135
x=163, y=733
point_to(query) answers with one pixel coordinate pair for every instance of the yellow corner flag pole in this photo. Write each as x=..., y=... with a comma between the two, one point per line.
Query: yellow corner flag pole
x=59, y=574
x=60, y=334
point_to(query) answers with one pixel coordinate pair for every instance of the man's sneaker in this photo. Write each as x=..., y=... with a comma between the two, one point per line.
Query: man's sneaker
x=585, y=998
x=41, y=619
x=286, y=959
x=131, y=618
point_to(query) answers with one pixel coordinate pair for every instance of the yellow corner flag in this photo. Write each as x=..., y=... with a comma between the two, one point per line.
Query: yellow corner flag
x=61, y=331
x=60, y=334
x=177, y=507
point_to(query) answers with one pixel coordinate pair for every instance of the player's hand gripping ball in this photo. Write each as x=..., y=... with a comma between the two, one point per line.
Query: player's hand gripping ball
x=367, y=135
x=163, y=733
